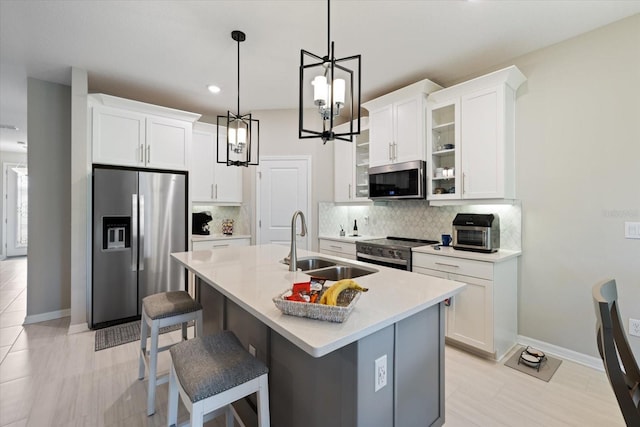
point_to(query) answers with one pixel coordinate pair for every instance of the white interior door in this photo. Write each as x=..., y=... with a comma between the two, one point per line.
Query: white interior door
x=16, y=195
x=283, y=187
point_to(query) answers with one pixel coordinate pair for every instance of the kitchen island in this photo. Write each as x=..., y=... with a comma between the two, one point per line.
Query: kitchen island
x=323, y=373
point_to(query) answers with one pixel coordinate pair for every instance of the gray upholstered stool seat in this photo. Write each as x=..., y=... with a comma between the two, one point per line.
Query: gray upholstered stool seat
x=210, y=373
x=168, y=304
x=158, y=311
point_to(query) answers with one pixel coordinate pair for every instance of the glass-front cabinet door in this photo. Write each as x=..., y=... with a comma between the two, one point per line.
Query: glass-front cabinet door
x=444, y=174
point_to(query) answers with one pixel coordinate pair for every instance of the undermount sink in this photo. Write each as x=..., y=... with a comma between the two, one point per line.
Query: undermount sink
x=339, y=272
x=306, y=264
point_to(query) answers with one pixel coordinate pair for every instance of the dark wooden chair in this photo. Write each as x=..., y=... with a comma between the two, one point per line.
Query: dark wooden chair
x=619, y=363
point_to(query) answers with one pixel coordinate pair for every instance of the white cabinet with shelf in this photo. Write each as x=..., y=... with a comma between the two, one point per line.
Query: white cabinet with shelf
x=443, y=120
x=484, y=315
x=397, y=124
x=338, y=248
x=211, y=181
x=351, y=167
x=478, y=118
x=135, y=134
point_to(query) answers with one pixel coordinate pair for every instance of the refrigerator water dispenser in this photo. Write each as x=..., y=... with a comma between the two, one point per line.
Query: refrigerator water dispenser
x=116, y=232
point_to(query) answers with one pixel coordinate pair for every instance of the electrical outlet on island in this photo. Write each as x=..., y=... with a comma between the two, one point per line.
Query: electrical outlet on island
x=634, y=327
x=380, y=373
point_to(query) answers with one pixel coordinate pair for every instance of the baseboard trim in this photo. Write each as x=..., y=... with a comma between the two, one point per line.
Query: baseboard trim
x=564, y=353
x=43, y=317
x=78, y=328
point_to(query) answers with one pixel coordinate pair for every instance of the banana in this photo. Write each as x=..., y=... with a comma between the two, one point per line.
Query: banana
x=330, y=296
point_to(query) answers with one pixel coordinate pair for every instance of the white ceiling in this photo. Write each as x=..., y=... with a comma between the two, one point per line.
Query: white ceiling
x=167, y=52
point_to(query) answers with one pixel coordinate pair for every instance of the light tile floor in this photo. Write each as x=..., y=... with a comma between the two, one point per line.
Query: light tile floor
x=51, y=378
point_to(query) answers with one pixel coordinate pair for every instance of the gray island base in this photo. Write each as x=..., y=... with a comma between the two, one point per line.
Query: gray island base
x=323, y=373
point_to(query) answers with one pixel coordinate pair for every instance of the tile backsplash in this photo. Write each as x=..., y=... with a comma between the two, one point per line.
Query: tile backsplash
x=414, y=218
x=238, y=214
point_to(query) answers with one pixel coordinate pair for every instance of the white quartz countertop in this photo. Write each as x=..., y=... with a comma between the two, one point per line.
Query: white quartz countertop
x=251, y=276
x=208, y=237
x=499, y=256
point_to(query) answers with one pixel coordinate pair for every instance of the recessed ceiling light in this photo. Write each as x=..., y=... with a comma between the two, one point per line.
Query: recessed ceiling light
x=213, y=89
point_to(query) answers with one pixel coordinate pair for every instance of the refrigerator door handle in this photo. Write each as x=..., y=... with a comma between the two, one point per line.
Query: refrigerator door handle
x=141, y=238
x=134, y=232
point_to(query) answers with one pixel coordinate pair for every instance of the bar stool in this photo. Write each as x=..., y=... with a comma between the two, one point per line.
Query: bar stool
x=209, y=373
x=158, y=311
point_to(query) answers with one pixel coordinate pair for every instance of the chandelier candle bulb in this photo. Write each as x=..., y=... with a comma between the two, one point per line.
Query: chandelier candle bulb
x=320, y=90
x=338, y=91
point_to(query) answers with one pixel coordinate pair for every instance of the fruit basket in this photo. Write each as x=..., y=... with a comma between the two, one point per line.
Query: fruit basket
x=332, y=313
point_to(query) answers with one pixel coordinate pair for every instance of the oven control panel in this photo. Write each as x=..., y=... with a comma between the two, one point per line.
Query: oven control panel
x=384, y=252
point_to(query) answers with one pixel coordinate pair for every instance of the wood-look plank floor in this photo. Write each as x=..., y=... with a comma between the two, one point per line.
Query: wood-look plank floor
x=51, y=378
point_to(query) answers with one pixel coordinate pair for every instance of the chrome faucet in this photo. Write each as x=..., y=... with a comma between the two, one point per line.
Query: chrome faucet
x=293, y=256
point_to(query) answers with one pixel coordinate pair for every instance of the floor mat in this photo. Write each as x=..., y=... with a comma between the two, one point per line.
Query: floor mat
x=123, y=334
x=549, y=366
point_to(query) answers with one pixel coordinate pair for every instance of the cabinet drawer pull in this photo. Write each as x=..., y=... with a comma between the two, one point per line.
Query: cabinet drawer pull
x=447, y=265
x=221, y=246
x=335, y=247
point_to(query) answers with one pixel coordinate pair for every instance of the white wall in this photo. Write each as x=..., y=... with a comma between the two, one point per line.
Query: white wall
x=48, y=270
x=279, y=137
x=80, y=203
x=578, y=176
x=7, y=157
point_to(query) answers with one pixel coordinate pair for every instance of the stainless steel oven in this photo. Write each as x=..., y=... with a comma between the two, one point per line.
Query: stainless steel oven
x=394, y=252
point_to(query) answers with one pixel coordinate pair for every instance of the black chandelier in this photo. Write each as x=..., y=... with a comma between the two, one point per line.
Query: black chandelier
x=332, y=86
x=237, y=130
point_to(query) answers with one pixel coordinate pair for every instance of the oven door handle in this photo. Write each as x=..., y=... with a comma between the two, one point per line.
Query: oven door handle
x=382, y=259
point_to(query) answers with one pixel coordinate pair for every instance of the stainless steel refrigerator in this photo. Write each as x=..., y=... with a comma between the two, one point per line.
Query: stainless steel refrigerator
x=139, y=219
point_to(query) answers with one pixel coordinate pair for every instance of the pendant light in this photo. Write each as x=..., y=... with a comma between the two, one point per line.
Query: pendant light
x=331, y=88
x=239, y=133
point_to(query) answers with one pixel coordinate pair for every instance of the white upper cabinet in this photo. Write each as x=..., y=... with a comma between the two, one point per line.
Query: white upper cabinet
x=471, y=138
x=212, y=181
x=397, y=132
x=397, y=124
x=351, y=166
x=168, y=143
x=131, y=133
x=118, y=136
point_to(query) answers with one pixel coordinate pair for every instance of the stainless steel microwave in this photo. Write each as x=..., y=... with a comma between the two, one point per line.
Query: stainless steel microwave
x=398, y=181
x=476, y=232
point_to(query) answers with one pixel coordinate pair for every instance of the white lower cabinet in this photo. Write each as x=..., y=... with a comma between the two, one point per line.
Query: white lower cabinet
x=222, y=243
x=338, y=248
x=484, y=316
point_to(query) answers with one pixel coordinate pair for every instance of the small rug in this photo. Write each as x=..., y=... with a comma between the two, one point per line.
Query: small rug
x=547, y=369
x=123, y=334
